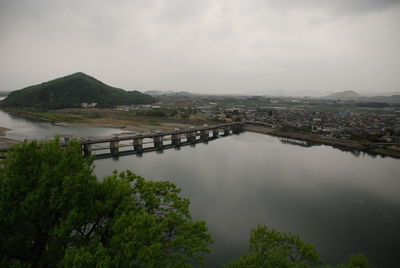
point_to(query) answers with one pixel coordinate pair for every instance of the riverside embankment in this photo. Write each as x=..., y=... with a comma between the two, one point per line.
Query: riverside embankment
x=364, y=146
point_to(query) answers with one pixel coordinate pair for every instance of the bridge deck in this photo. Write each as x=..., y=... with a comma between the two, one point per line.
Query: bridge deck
x=159, y=134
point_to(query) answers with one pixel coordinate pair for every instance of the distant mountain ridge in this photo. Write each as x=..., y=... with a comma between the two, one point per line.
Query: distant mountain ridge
x=71, y=91
x=351, y=95
x=169, y=92
x=344, y=95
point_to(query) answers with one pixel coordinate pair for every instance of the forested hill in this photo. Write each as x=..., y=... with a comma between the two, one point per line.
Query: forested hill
x=71, y=91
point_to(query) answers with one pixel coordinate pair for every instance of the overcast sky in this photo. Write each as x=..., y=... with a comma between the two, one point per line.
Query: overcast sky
x=204, y=46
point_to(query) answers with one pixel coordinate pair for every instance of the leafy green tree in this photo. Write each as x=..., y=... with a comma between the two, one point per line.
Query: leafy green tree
x=269, y=248
x=54, y=212
x=355, y=261
x=45, y=194
x=148, y=226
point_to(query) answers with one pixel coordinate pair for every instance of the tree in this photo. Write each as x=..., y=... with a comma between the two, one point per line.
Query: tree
x=355, y=261
x=269, y=248
x=45, y=193
x=140, y=224
x=54, y=212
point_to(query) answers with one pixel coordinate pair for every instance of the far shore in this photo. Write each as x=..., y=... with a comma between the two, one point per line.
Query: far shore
x=3, y=131
x=129, y=128
x=146, y=125
x=334, y=142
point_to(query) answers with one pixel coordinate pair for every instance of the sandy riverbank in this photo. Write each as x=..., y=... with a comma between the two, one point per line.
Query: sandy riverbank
x=3, y=131
x=6, y=143
x=109, y=118
x=129, y=127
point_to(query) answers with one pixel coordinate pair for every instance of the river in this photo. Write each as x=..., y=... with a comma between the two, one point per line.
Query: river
x=27, y=128
x=343, y=203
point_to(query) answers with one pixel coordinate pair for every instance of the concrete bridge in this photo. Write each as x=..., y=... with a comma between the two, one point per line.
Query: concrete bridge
x=137, y=144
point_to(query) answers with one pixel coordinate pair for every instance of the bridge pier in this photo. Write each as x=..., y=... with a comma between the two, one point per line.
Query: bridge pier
x=114, y=147
x=227, y=131
x=236, y=129
x=87, y=149
x=158, y=142
x=204, y=134
x=215, y=132
x=176, y=139
x=138, y=145
x=191, y=136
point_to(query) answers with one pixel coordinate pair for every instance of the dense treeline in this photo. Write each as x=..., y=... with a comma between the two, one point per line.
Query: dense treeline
x=372, y=104
x=71, y=91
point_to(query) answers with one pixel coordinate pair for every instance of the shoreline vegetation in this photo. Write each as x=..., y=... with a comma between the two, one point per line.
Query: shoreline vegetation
x=127, y=122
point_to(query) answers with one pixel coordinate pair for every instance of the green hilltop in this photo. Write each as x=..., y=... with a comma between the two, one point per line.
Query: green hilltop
x=71, y=91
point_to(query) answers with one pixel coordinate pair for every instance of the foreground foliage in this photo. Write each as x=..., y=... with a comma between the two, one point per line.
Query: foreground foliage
x=54, y=212
x=270, y=249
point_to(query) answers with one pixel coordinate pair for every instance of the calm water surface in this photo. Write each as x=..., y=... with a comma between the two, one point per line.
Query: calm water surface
x=26, y=128
x=340, y=202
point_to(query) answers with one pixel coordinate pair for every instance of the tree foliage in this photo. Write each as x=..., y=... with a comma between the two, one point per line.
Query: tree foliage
x=269, y=248
x=72, y=90
x=54, y=212
x=355, y=261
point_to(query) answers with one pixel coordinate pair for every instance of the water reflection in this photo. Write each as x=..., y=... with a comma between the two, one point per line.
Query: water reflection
x=341, y=203
x=307, y=144
x=24, y=128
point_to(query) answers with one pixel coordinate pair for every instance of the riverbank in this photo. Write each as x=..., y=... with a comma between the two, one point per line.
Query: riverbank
x=3, y=131
x=334, y=142
x=131, y=124
x=5, y=143
x=96, y=117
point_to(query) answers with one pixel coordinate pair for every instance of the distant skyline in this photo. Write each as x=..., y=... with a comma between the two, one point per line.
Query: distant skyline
x=205, y=46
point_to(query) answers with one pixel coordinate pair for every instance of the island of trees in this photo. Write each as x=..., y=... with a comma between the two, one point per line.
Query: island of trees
x=54, y=212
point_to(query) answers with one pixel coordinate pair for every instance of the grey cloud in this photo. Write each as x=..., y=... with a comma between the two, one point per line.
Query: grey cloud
x=337, y=7
x=203, y=45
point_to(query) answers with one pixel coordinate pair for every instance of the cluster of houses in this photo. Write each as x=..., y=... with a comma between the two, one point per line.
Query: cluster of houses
x=342, y=124
x=345, y=125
